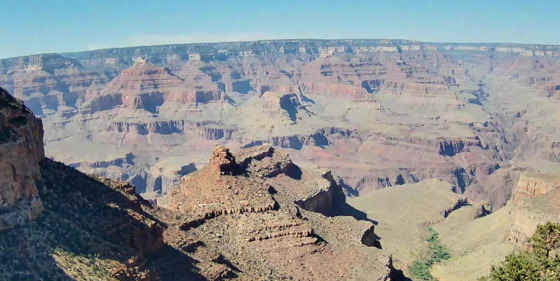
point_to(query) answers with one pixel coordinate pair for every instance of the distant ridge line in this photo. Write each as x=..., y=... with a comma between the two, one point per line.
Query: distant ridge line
x=358, y=42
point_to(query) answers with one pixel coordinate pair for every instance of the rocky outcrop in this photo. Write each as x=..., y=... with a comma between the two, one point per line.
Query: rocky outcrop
x=156, y=127
x=214, y=133
x=145, y=86
x=450, y=148
x=534, y=201
x=241, y=205
x=460, y=203
x=222, y=161
x=327, y=200
x=289, y=103
x=532, y=184
x=100, y=217
x=312, y=191
x=266, y=162
x=21, y=149
x=145, y=237
x=394, y=273
x=247, y=204
x=321, y=138
x=264, y=166
x=445, y=147
x=203, y=199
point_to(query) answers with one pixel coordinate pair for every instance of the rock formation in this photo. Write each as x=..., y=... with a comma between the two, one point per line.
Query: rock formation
x=534, y=201
x=377, y=113
x=246, y=183
x=21, y=149
x=531, y=185
x=263, y=214
x=478, y=239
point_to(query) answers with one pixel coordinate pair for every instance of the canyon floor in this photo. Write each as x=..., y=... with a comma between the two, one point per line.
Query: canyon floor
x=402, y=135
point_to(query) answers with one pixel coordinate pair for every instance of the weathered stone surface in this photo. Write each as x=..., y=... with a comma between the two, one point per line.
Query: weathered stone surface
x=222, y=161
x=261, y=211
x=533, y=184
x=21, y=149
x=236, y=217
x=534, y=201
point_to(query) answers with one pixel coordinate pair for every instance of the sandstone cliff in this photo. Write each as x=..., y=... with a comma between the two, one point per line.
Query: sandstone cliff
x=476, y=240
x=21, y=149
x=535, y=201
x=251, y=215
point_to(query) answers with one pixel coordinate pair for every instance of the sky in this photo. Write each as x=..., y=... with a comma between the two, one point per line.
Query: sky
x=35, y=26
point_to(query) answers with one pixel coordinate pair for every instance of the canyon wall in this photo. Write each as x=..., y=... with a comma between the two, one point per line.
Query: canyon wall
x=377, y=113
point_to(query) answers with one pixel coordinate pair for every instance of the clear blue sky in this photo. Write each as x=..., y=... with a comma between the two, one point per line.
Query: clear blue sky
x=30, y=27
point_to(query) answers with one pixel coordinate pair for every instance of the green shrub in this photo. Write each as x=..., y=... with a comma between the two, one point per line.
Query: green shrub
x=437, y=253
x=541, y=262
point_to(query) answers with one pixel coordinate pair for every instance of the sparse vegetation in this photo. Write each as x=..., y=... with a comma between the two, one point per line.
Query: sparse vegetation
x=437, y=253
x=72, y=239
x=540, y=262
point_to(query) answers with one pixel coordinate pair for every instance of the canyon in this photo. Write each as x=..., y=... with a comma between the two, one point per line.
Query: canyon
x=328, y=139
x=377, y=113
x=252, y=215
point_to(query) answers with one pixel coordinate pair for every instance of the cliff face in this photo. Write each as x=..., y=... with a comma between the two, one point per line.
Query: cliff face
x=531, y=185
x=21, y=149
x=90, y=228
x=314, y=191
x=535, y=201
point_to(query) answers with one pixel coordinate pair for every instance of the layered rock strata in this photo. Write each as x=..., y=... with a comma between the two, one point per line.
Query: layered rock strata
x=377, y=113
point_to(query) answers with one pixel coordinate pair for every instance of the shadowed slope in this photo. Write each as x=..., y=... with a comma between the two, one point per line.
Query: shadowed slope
x=88, y=230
